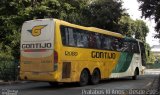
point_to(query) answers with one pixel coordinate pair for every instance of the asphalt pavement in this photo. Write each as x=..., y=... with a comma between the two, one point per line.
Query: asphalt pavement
x=145, y=84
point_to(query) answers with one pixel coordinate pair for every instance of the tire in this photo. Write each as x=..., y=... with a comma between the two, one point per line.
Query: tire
x=84, y=77
x=54, y=84
x=95, y=77
x=135, y=75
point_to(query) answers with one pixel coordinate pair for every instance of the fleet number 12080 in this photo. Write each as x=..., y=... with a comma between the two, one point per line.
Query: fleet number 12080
x=71, y=53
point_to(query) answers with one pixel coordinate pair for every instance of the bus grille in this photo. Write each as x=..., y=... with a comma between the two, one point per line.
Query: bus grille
x=66, y=70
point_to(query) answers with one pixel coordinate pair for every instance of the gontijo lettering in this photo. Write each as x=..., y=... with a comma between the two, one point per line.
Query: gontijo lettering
x=106, y=55
x=36, y=45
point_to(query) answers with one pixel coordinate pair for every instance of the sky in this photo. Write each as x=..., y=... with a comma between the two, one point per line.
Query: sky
x=132, y=8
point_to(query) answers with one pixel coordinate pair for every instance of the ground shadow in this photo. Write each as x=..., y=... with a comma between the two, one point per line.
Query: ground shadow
x=75, y=85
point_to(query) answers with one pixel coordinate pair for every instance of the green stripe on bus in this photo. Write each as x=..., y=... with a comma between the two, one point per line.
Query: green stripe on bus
x=123, y=63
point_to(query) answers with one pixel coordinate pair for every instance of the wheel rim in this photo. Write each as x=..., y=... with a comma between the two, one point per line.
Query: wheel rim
x=135, y=74
x=95, y=77
x=84, y=78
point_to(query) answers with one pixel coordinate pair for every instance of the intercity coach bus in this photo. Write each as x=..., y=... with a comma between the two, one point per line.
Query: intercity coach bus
x=56, y=51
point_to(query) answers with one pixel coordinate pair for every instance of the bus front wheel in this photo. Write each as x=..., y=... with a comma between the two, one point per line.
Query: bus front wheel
x=135, y=75
x=84, y=77
x=95, y=78
x=54, y=84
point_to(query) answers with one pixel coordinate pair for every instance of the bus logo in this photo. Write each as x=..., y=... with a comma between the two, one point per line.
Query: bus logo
x=36, y=30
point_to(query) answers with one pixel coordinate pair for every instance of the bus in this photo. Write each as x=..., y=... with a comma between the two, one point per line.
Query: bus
x=57, y=51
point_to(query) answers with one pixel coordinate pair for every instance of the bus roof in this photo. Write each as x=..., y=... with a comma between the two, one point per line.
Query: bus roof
x=132, y=39
x=38, y=20
x=106, y=32
x=93, y=29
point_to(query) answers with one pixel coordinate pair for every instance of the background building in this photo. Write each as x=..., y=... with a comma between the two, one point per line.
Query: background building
x=155, y=49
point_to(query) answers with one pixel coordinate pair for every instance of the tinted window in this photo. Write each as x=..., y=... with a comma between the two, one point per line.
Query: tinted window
x=92, y=40
x=130, y=46
x=74, y=37
x=135, y=47
x=98, y=40
x=67, y=36
x=106, y=42
x=82, y=38
x=126, y=47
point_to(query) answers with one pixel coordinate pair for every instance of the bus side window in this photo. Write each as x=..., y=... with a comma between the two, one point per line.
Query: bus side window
x=106, y=42
x=125, y=46
x=98, y=40
x=135, y=47
x=67, y=36
x=116, y=44
x=85, y=39
x=82, y=38
x=71, y=38
x=119, y=44
x=64, y=35
x=79, y=39
x=92, y=40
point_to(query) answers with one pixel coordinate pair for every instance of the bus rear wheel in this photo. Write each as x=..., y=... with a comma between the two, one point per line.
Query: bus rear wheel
x=135, y=75
x=84, y=77
x=95, y=77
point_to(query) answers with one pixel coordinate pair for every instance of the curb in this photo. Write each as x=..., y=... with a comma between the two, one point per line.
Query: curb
x=14, y=82
x=155, y=86
x=155, y=83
